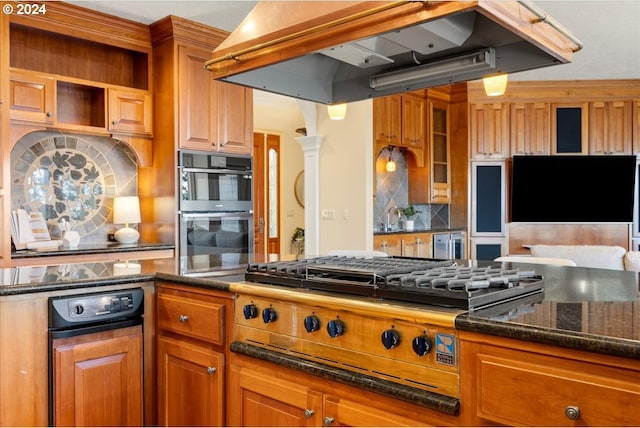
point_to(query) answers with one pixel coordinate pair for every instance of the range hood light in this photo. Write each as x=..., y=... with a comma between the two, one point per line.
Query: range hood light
x=495, y=85
x=337, y=111
x=474, y=62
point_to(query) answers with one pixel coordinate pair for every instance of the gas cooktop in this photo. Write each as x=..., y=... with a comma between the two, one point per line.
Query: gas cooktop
x=426, y=281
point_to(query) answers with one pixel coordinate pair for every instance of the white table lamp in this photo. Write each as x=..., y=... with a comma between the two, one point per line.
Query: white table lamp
x=126, y=209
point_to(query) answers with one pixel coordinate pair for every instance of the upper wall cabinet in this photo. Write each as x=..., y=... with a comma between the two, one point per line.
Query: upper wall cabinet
x=400, y=121
x=530, y=128
x=214, y=116
x=569, y=128
x=636, y=127
x=610, y=128
x=31, y=97
x=489, y=130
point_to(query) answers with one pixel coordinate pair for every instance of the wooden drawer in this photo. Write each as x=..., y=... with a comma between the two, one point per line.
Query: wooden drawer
x=199, y=319
x=520, y=388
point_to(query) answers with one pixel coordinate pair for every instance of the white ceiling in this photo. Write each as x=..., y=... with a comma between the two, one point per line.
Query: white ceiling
x=609, y=29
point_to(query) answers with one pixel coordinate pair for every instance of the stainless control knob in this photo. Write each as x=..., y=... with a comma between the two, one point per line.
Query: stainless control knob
x=572, y=412
x=390, y=338
x=311, y=323
x=250, y=311
x=335, y=328
x=422, y=345
x=269, y=315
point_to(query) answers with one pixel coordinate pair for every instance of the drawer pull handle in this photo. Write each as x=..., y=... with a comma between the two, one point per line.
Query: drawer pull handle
x=328, y=420
x=183, y=318
x=308, y=413
x=211, y=370
x=572, y=412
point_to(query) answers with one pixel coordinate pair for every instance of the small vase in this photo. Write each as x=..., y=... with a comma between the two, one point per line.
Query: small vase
x=408, y=224
x=70, y=239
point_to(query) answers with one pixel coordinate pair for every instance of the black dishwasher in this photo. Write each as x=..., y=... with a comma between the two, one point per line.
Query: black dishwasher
x=95, y=358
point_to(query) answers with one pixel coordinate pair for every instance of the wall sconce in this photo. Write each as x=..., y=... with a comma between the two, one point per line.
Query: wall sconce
x=337, y=111
x=391, y=164
x=126, y=209
x=495, y=85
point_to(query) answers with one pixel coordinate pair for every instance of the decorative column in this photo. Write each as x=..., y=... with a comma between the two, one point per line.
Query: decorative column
x=310, y=145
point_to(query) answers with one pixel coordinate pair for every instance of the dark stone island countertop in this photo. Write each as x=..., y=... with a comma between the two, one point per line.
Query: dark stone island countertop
x=594, y=310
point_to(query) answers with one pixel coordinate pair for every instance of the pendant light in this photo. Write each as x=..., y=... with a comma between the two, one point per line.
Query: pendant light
x=337, y=111
x=495, y=85
x=391, y=164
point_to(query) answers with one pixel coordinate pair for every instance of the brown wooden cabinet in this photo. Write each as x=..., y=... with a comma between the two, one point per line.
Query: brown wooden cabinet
x=399, y=121
x=610, y=127
x=98, y=379
x=489, y=130
x=264, y=394
x=192, y=330
x=130, y=112
x=212, y=115
x=530, y=124
x=31, y=97
x=405, y=244
x=635, y=131
x=439, y=152
x=511, y=382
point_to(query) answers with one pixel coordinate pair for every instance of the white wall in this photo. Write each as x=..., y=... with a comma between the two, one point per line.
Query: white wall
x=346, y=184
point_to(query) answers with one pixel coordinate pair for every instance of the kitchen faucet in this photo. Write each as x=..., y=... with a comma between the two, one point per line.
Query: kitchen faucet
x=387, y=226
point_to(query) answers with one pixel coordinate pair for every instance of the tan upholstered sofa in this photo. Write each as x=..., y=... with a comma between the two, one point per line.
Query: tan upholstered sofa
x=596, y=256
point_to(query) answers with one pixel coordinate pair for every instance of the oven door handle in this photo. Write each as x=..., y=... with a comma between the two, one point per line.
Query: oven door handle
x=219, y=171
x=218, y=214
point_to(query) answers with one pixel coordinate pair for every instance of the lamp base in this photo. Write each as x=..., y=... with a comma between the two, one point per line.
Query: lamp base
x=127, y=235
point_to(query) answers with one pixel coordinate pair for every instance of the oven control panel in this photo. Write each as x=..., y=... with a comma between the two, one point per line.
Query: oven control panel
x=397, y=349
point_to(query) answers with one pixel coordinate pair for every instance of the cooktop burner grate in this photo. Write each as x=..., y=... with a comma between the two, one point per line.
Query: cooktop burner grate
x=428, y=281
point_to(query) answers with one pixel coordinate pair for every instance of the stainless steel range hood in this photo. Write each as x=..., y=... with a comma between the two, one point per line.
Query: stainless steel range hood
x=340, y=51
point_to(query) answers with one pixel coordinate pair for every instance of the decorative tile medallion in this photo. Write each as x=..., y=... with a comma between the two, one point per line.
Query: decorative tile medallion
x=72, y=177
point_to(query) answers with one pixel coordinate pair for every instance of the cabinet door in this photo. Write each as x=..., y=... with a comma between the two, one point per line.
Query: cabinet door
x=610, y=126
x=196, y=99
x=569, y=128
x=390, y=244
x=387, y=113
x=530, y=128
x=264, y=400
x=130, y=112
x=413, y=121
x=190, y=384
x=31, y=97
x=636, y=126
x=98, y=379
x=346, y=412
x=488, y=195
x=489, y=131
x=234, y=117
x=440, y=153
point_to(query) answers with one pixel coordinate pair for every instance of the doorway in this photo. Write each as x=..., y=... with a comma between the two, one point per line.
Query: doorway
x=266, y=155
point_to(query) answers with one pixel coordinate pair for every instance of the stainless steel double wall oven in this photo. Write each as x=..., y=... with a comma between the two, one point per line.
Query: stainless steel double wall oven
x=216, y=211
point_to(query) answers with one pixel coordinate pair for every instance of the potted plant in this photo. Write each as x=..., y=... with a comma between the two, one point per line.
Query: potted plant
x=297, y=240
x=408, y=213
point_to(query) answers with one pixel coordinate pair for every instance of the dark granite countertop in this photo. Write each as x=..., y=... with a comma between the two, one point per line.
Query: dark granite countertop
x=581, y=308
x=95, y=248
x=402, y=231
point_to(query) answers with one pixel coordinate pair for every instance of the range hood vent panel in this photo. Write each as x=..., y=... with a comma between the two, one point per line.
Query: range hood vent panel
x=332, y=57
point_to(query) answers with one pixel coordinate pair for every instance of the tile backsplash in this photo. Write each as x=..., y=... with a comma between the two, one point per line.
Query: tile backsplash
x=392, y=190
x=72, y=177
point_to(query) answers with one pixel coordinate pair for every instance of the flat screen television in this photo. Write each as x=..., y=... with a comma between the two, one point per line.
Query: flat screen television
x=573, y=189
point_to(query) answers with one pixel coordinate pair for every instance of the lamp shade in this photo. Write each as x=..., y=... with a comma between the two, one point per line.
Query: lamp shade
x=126, y=209
x=495, y=85
x=337, y=111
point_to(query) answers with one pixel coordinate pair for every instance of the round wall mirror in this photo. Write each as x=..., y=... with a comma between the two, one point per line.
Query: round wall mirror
x=298, y=188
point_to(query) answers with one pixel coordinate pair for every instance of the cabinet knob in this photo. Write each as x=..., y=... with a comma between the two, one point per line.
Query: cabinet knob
x=328, y=420
x=572, y=412
x=114, y=122
x=211, y=370
x=308, y=413
x=183, y=318
x=49, y=114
